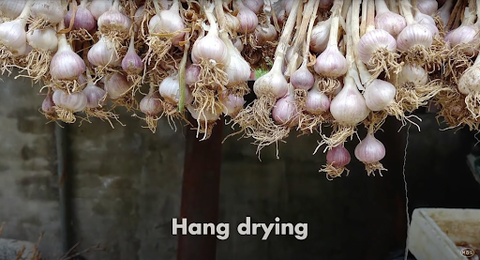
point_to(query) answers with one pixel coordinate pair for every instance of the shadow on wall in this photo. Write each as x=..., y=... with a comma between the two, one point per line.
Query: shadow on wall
x=127, y=183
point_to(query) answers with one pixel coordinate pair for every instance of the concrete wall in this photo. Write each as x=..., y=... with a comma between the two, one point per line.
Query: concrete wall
x=127, y=185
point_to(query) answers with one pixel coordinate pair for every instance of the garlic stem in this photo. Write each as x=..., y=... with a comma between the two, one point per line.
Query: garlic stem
x=393, y=6
x=222, y=23
x=282, y=46
x=363, y=22
x=25, y=14
x=365, y=75
x=308, y=12
x=211, y=19
x=469, y=17
x=306, y=46
x=175, y=6
x=116, y=5
x=345, y=7
x=477, y=10
x=370, y=16
x=406, y=11
x=333, y=37
x=381, y=7
x=84, y=3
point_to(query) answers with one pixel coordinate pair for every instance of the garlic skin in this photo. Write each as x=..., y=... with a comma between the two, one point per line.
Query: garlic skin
x=83, y=19
x=273, y=82
x=95, y=95
x=331, y=63
x=210, y=47
x=237, y=68
x=48, y=107
x=414, y=34
x=232, y=104
x=12, y=9
x=285, y=111
x=232, y=22
x=370, y=150
x=427, y=21
x=116, y=85
x=74, y=102
x=43, y=39
x=349, y=107
x=302, y=78
x=50, y=10
x=391, y=22
x=192, y=73
x=169, y=89
x=103, y=53
x=66, y=64
x=114, y=17
x=320, y=36
x=338, y=156
x=413, y=74
x=316, y=102
x=206, y=116
x=132, y=63
x=255, y=5
x=247, y=18
x=151, y=104
x=463, y=35
x=469, y=82
x=428, y=7
x=374, y=40
x=265, y=33
x=13, y=36
x=168, y=21
x=138, y=17
x=379, y=95
x=99, y=7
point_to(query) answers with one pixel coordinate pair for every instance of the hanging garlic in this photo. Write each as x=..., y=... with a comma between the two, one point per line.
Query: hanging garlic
x=349, y=107
x=74, y=102
x=151, y=104
x=99, y=7
x=168, y=21
x=302, y=78
x=12, y=9
x=247, y=18
x=95, y=95
x=43, y=39
x=232, y=104
x=13, y=34
x=49, y=10
x=66, y=64
x=374, y=40
x=265, y=33
x=320, y=36
x=237, y=68
x=169, y=89
x=132, y=63
x=428, y=7
x=387, y=20
x=316, y=102
x=114, y=18
x=255, y=5
x=116, y=85
x=285, y=111
x=83, y=18
x=48, y=107
x=414, y=74
x=379, y=95
x=192, y=72
x=414, y=34
x=103, y=53
x=370, y=151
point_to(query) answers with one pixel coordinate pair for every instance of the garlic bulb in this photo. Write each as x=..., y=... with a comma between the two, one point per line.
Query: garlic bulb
x=379, y=95
x=428, y=7
x=237, y=68
x=320, y=36
x=302, y=78
x=349, y=107
x=168, y=21
x=116, y=85
x=83, y=18
x=169, y=89
x=255, y=5
x=247, y=18
x=370, y=150
x=151, y=104
x=132, y=63
x=48, y=107
x=50, y=10
x=12, y=9
x=13, y=36
x=206, y=116
x=74, y=102
x=265, y=33
x=387, y=20
x=414, y=74
x=99, y=7
x=232, y=104
x=43, y=39
x=95, y=95
x=103, y=53
x=316, y=102
x=285, y=111
x=414, y=34
x=373, y=41
x=338, y=156
x=192, y=72
x=114, y=17
x=273, y=82
x=66, y=64
x=331, y=63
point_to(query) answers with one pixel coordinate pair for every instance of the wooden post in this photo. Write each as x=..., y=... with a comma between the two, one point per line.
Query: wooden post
x=200, y=192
